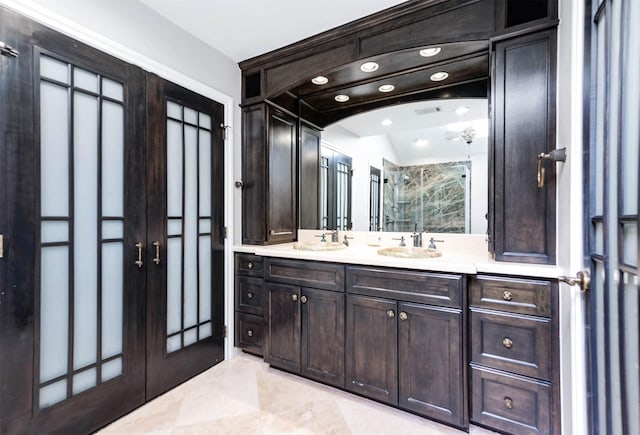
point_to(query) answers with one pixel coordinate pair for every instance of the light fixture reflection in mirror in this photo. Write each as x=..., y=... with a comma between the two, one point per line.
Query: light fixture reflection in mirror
x=439, y=186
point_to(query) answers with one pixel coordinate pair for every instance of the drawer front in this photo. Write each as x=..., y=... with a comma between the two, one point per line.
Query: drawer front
x=249, y=294
x=510, y=403
x=249, y=265
x=516, y=295
x=421, y=287
x=324, y=276
x=249, y=333
x=510, y=342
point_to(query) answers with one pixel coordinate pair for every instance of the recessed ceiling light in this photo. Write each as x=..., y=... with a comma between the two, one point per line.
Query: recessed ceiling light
x=462, y=110
x=320, y=80
x=439, y=76
x=342, y=98
x=386, y=88
x=386, y=122
x=428, y=52
x=369, y=66
x=421, y=142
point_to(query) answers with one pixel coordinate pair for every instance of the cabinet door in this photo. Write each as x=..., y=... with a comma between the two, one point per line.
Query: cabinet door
x=309, y=178
x=281, y=206
x=323, y=336
x=372, y=360
x=524, y=215
x=283, y=327
x=430, y=362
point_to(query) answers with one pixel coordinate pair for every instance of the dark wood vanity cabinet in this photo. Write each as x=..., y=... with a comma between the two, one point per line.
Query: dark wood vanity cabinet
x=269, y=175
x=514, y=354
x=305, y=325
x=523, y=202
x=249, y=303
x=404, y=351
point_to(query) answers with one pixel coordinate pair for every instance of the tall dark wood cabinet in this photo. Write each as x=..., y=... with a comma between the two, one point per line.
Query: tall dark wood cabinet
x=309, y=181
x=524, y=108
x=269, y=175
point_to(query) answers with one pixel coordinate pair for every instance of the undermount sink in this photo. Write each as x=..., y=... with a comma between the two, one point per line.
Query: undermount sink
x=319, y=246
x=410, y=252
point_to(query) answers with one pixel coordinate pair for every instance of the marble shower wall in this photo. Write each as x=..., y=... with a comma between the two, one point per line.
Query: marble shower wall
x=434, y=197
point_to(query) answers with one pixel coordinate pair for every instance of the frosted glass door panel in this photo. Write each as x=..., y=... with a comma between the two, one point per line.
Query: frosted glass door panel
x=82, y=228
x=189, y=209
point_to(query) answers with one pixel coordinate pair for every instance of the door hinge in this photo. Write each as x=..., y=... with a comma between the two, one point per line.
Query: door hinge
x=225, y=128
x=226, y=232
x=7, y=50
x=1, y=245
x=225, y=331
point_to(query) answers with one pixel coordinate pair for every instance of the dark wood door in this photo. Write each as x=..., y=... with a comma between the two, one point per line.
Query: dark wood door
x=524, y=101
x=283, y=327
x=431, y=372
x=184, y=252
x=612, y=160
x=72, y=305
x=371, y=339
x=322, y=343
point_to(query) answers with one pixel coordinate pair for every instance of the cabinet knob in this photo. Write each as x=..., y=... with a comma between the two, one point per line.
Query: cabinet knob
x=507, y=295
x=508, y=403
x=250, y=265
x=403, y=315
x=250, y=332
x=294, y=297
x=507, y=342
x=249, y=295
x=391, y=314
x=303, y=299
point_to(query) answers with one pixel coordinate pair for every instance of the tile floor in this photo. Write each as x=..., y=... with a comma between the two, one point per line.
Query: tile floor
x=244, y=395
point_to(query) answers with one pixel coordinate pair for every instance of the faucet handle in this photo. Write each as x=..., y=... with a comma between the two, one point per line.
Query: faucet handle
x=432, y=243
x=402, y=243
x=323, y=237
x=345, y=240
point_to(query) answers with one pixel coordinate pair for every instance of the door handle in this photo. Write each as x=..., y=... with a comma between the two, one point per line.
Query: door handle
x=156, y=259
x=559, y=155
x=582, y=279
x=139, y=261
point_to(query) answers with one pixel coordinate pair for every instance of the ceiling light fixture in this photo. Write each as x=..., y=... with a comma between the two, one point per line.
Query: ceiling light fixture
x=386, y=88
x=462, y=110
x=386, y=122
x=428, y=52
x=342, y=98
x=439, y=76
x=320, y=80
x=369, y=67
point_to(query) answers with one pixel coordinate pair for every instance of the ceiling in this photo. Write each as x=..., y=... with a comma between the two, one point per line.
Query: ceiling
x=242, y=29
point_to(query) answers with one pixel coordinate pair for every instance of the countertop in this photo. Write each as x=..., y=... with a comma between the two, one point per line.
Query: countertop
x=460, y=254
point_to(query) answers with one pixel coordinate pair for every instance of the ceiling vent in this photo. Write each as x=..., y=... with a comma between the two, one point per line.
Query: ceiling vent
x=428, y=110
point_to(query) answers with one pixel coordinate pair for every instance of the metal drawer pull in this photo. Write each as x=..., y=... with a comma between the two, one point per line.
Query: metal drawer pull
x=139, y=261
x=403, y=315
x=294, y=297
x=391, y=314
x=280, y=233
x=303, y=299
x=156, y=259
x=507, y=342
x=250, y=332
x=249, y=295
x=250, y=265
x=508, y=403
x=507, y=295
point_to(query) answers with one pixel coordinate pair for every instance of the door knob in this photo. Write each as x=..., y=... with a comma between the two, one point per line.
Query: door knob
x=294, y=297
x=303, y=299
x=582, y=279
x=403, y=315
x=391, y=314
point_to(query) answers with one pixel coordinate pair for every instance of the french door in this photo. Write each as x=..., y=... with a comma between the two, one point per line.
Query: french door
x=613, y=326
x=112, y=264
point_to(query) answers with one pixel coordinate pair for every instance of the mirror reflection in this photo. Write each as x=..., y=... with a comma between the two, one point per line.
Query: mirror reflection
x=417, y=166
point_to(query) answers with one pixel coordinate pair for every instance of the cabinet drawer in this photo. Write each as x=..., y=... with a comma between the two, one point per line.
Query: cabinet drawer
x=422, y=287
x=249, y=333
x=510, y=342
x=324, y=276
x=249, y=265
x=510, y=403
x=516, y=295
x=249, y=294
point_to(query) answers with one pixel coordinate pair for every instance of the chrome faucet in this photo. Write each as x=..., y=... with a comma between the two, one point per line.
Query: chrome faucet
x=334, y=236
x=417, y=239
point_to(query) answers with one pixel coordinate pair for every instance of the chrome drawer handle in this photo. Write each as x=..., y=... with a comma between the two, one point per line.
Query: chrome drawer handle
x=294, y=297
x=507, y=342
x=250, y=332
x=249, y=295
x=303, y=299
x=250, y=265
x=507, y=295
x=508, y=403
x=403, y=315
x=391, y=314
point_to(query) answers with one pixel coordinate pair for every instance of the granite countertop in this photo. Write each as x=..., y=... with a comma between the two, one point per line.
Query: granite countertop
x=460, y=254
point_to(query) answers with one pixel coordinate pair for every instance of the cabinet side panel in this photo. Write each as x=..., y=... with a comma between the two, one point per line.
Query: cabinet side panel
x=253, y=175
